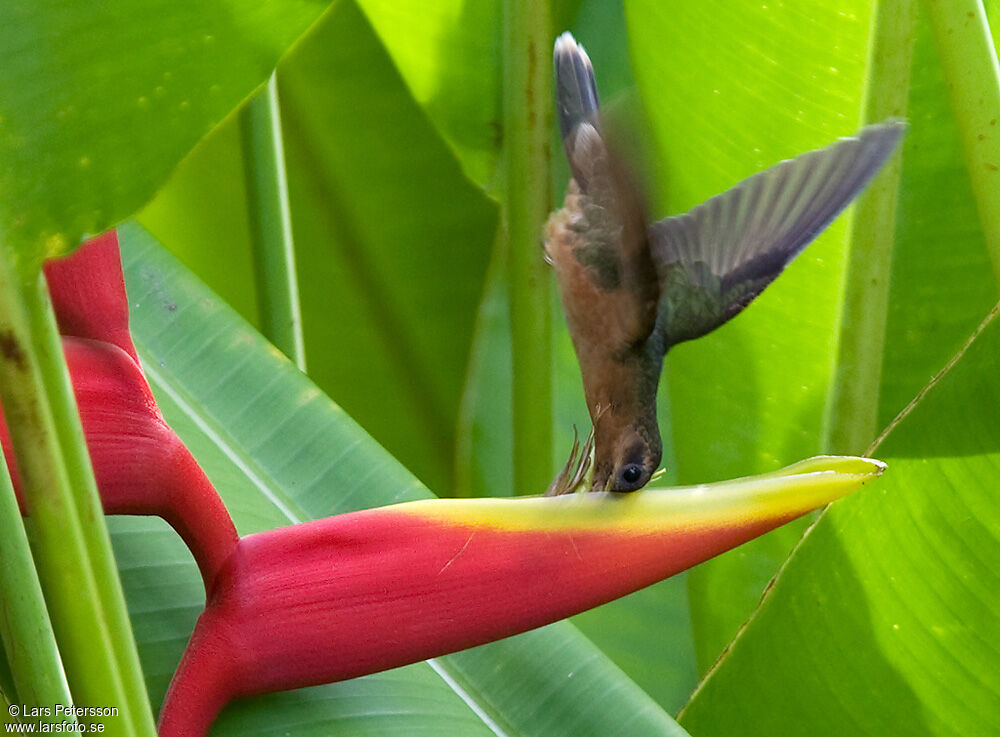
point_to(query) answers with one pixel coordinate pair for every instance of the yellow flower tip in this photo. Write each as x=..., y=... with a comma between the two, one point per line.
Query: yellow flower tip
x=857, y=465
x=846, y=465
x=778, y=496
x=787, y=492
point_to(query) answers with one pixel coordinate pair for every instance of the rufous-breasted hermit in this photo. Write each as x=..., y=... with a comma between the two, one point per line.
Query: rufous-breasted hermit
x=631, y=290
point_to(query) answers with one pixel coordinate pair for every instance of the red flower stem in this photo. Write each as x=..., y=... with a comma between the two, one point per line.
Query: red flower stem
x=87, y=290
x=190, y=505
x=210, y=677
x=342, y=597
x=140, y=464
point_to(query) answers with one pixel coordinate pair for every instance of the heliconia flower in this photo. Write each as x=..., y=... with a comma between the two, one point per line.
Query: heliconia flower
x=140, y=464
x=366, y=591
x=362, y=592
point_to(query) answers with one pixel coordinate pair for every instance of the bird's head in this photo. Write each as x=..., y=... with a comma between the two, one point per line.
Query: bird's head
x=627, y=450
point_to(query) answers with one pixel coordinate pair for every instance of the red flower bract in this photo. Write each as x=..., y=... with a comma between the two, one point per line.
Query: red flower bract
x=366, y=591
x=88, y=293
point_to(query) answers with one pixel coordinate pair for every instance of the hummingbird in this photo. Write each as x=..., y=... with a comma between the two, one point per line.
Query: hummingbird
x=632, y=290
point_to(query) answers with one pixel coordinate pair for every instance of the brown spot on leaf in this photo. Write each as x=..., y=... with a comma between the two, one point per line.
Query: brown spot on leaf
x=991, y=167
x=10, y=348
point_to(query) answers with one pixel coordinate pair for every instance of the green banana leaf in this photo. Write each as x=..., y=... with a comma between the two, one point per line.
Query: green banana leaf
x=887, y=617
x=98, y=103
x=387, y=229
x=449, y=54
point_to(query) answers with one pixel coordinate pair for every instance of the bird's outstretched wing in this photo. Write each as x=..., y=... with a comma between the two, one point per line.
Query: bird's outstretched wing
x=713, y=260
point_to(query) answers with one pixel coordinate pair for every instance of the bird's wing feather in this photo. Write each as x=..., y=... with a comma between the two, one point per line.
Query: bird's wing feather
x=576, y=89
x=713, y=260
x=605, y=219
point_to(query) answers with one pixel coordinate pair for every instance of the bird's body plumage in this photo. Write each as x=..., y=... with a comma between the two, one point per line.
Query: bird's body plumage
x=631, y=291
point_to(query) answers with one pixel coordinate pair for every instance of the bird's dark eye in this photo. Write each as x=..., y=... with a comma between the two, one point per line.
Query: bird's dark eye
x=629, y=477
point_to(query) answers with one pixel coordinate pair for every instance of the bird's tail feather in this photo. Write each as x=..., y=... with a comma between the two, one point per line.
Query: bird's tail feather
x=576, y=90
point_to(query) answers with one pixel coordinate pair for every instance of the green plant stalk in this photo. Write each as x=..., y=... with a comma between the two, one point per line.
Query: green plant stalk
x=87, y=501
x=969, y=60
x=25, y=629
x=852, y=417
x=66, y=525
x=527, y=126
x=271, y=223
